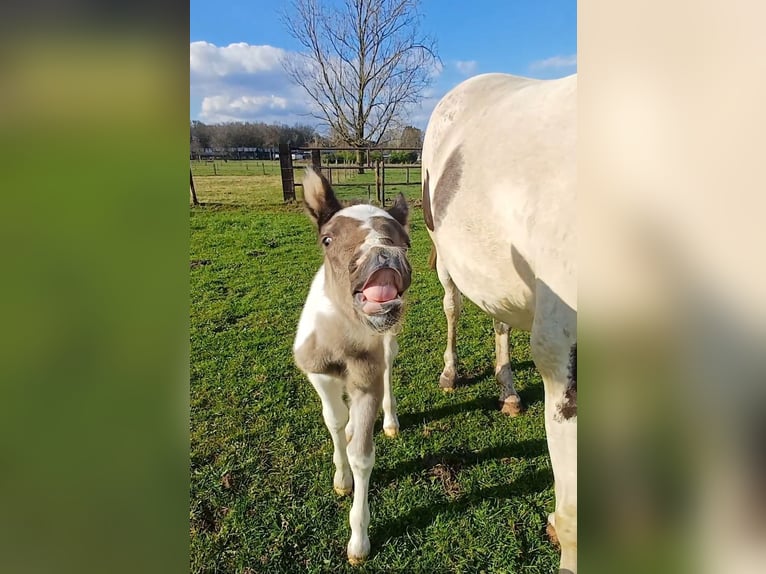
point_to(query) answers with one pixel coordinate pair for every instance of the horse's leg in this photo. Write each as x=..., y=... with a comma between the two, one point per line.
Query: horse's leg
x=390, y=420
x=553, y=334
x=361, y=456
x=335, y=413
x=510, y=402
x=452, y=306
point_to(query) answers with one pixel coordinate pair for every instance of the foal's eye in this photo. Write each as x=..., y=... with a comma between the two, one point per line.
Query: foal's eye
x=326, y=240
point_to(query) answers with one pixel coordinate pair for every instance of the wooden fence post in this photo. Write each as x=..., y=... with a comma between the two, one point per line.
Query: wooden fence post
x=383, y=182
x=286, y=166
x=377, y=181
x=193, y=191
x=316, y=160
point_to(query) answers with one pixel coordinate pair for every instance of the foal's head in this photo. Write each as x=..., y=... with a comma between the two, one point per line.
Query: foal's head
x=365, y=253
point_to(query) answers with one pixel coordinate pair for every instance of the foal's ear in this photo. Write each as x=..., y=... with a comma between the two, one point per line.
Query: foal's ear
x=318, y=197
x=401, y=212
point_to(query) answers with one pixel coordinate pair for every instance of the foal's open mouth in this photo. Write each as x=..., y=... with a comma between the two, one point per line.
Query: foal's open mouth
x=381, y=292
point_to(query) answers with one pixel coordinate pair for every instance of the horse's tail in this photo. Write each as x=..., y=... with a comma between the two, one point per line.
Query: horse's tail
x=432, y=257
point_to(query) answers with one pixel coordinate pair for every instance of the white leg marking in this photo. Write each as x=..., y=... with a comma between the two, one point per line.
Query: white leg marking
x=562, y=445
x=510, y=402
x=361, y=456
x=390, y=420
x=335, y=413
x=550, y=343
x=452, y=306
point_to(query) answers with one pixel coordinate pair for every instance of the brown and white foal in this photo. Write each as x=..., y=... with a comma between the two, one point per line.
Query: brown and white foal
x=346, y=335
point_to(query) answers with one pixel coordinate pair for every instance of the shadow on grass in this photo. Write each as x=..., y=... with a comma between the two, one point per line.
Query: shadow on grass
x=423, y=516
x=523, y=365
x=531, y=395
x=461, y=459
x=471, y=380
x=408, y=420
x=217, y=205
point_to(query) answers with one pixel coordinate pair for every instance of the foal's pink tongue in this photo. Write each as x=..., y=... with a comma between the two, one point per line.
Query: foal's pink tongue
x=381, y=287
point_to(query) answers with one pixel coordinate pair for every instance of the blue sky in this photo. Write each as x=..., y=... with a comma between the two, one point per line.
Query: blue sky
x=236, y=45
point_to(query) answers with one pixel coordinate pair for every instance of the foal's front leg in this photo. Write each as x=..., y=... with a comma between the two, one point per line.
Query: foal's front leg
x=361, y=456
x=335, y=413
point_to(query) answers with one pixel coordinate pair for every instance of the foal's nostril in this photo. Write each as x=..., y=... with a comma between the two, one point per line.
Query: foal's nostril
x=382, y=257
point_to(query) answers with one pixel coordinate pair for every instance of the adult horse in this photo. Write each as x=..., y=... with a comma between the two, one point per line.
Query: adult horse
x=499, y=183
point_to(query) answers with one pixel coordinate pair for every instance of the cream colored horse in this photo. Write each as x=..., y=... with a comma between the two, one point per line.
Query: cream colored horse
x=499, y=184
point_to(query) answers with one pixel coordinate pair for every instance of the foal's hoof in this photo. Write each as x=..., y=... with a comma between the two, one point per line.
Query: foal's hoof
x=511, y=406
x=447, y=382
x=342, y=482
x=391, y=431
x=357, y=551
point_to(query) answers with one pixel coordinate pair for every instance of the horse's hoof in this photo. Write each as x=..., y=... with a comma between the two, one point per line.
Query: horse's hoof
x=356, y=560
x=552, y=536
x=511, y=406
x=392, y=432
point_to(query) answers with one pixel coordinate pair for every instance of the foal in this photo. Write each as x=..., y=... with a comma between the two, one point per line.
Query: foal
x=346, y=335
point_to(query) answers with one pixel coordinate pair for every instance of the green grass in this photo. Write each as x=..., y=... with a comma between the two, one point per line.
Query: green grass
x=462, y=489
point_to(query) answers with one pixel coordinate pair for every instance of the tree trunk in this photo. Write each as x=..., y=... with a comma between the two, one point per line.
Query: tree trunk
x=360, y=160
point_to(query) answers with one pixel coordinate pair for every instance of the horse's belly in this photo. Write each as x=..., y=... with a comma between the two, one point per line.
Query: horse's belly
x=494, y=286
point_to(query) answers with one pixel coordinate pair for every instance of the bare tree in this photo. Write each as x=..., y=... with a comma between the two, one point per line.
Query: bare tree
x=411, y=137
x=364, y=64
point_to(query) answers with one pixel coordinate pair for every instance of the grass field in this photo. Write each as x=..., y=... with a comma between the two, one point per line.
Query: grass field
x=462, y=489
x=256, y=183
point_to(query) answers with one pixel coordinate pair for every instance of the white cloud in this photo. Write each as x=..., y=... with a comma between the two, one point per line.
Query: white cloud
x=555, y=62
x=208, y=60
x=234, y=108
x=241, y=82
x=467, y=67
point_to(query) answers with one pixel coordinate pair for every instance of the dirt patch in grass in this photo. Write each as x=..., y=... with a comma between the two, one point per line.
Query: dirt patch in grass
x=447, y=475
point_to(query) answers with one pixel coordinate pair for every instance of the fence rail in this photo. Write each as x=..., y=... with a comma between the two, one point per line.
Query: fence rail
x=289, y=185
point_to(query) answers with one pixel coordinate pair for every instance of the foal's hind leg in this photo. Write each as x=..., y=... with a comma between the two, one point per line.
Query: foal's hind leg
x=452, y=306
x=335, y=413
x=510, y=402
x=390, y=420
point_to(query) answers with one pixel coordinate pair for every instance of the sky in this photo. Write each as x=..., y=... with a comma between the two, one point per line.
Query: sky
x=236, y=46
